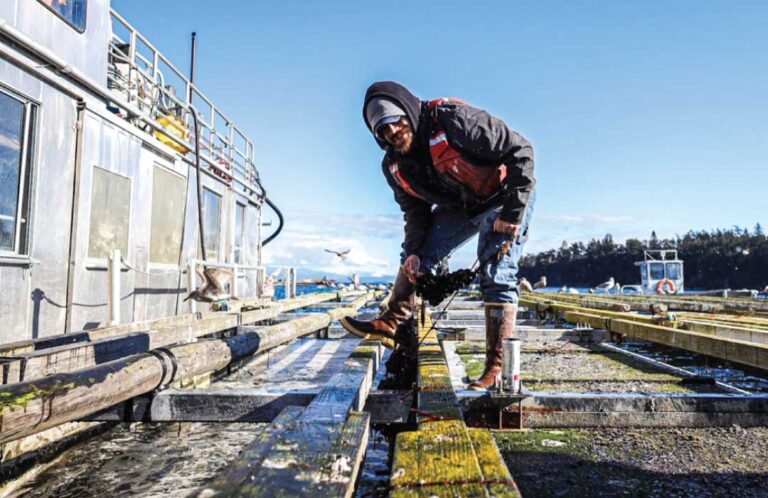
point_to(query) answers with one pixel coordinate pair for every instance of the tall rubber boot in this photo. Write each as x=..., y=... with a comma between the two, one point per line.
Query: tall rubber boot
x=499, y=325
x=399, y=309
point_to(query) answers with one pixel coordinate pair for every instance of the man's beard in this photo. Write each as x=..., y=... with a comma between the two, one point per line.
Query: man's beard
x=405, y=148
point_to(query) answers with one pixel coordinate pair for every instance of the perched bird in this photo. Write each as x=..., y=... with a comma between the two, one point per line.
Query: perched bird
x=325, y=282
x=213, y=287
x=525, y=285
x=355, y=280
x=268, y=288
x=342, y=254
x=606, y=286
x=765, y=291
x=562, y=290
x=541, y=283
x=617, y=288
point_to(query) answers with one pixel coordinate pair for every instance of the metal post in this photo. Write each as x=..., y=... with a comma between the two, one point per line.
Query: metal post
x=510, y=371
x=234, y=280
x=287, y=282
x=293, y=283
x=260, y=274
x=191, y=283
x=113, y=285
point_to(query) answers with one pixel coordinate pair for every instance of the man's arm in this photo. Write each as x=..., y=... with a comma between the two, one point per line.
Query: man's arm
x=489, y=140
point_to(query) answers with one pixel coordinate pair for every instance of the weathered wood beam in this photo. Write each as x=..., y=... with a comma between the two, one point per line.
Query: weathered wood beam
x=102, y=345
x=444, y=457
x=317, y=454
x=29, y=407
x=688, y=303
x=596, y=319
x=269, y=311
x=745, y=353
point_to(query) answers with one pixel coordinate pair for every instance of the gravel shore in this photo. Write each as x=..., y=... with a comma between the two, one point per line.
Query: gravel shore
x=721, y=462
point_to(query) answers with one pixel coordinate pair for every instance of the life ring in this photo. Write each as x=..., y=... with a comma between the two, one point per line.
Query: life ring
x=665, y=282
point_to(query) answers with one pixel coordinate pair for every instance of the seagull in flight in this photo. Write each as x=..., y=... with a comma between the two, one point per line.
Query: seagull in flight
x=213, y=287
x=342, y=254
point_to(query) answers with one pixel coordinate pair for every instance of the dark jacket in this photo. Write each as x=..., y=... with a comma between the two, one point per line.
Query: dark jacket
x=480, y=137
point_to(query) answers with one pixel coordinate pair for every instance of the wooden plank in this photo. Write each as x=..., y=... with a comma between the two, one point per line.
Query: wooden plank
x=320, y=454
x=271, y=311
x=746, y=353
x=443, y=458
x=106, y=344
x=32, y=406
x=675, y=302
x=103, y=348
x=74, y=356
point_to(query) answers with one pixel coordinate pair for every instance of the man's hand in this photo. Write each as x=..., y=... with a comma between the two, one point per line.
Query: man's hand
x=506, y=228
x=411, y=267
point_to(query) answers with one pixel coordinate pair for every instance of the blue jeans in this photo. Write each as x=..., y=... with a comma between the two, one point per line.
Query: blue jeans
x=450, y=229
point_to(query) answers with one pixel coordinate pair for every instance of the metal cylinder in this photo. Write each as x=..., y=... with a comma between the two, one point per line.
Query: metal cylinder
x=510, y=366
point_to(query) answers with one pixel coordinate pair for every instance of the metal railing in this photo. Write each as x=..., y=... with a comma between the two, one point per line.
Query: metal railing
x=140, y=74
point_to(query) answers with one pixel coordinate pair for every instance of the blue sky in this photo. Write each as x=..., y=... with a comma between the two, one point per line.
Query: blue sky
x=644, y=115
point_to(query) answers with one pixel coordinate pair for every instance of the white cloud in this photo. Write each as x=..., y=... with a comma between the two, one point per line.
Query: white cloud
x=374, y=240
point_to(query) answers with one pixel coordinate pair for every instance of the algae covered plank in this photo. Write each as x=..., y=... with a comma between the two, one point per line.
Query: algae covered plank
x=444, y=457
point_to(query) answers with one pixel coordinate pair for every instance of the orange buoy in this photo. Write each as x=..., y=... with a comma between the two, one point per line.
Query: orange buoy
x=665, y=286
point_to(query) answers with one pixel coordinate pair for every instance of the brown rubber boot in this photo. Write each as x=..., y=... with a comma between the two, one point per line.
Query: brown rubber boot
x=499, y=325
x=399, y=308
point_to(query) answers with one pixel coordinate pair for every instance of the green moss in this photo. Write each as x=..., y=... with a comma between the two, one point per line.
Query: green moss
x=563, y=441
x=470, y=347
x=15, y=400
x=473, y=364
x=595, y=385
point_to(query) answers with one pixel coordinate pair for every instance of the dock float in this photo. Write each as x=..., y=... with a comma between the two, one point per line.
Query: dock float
x=312, y=451
x=32, y=406
x=444, y=457
x=748, y=349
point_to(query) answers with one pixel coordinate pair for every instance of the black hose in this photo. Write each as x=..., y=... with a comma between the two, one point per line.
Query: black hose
x=199, y=184
x=279, y=217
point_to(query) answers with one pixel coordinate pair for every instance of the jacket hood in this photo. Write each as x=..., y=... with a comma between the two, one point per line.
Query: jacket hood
x=400, y=96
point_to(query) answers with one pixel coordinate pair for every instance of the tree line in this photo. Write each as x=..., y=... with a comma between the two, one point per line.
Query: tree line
x=724, y=258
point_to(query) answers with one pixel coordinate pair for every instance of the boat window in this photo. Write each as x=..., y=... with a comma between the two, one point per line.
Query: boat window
x=674, y=271
x=110, y=213
x=168, y=199
x=239, y=232
x=211, y=222
x=657, y=271
x=17, y=119
x=72, y=11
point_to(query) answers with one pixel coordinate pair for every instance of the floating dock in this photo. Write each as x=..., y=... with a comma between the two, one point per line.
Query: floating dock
x=304, y=398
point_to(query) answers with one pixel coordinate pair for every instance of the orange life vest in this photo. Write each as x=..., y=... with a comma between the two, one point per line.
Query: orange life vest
x=483, y=181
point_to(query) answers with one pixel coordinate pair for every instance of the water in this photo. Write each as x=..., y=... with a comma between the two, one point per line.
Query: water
x=374, y=475
x=721, y=370
x=149, y=460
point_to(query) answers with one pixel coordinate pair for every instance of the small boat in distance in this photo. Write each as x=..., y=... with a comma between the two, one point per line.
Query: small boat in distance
x=661, y=272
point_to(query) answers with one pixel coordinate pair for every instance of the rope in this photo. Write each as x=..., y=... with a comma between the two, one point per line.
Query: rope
x=429, y=416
